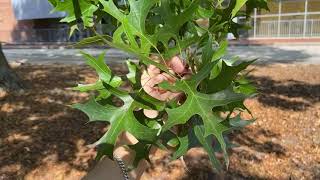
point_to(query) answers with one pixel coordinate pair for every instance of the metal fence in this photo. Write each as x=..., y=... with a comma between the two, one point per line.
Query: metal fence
x=286, y=28
x=47, y=35
x=287, y=19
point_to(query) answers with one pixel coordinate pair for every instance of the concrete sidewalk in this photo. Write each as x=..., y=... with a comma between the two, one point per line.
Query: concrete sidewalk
x=308, y=54
x=64, y=56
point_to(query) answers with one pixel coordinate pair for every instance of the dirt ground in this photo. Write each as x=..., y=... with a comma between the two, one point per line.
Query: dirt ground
x=42, y=138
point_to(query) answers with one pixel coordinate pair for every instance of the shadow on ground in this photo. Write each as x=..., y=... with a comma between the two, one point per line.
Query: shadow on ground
x=249, y=149
x=290, y=94
x=37, y=126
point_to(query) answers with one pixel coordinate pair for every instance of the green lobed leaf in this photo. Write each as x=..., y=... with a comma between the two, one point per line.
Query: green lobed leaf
x=207, y=51
x=195, y=137
x=121, y=119
x=237, y=7
x=103, y=71
x=224, y=75
x=237, y=122
x=201, y=104
x=187, y=140
x=99, y=65
x=83, y=8
x=142, y=150
x=221, y=51
x=132, y=75
x=197, y=102
x=206, y=142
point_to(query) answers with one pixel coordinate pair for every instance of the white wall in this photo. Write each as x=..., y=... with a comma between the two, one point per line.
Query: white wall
x=34, y=9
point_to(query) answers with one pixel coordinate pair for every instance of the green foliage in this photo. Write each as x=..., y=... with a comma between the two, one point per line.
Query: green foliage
x=82, y=8
x=196, y=31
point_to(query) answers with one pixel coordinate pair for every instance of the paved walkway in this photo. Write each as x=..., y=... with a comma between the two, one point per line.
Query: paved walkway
x=65, y=56
x=309, y=54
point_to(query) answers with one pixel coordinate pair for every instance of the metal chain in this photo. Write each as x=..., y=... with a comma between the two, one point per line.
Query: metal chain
x=122, y=167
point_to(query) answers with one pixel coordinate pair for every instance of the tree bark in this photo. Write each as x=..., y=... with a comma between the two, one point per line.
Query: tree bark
x=9, y=80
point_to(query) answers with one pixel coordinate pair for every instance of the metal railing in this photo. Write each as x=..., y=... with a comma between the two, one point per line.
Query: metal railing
x=47, y=35
x=287, y=29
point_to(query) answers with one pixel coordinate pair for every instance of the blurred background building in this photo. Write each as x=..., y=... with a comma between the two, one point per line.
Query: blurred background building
x=30, y=21
x=287, y=20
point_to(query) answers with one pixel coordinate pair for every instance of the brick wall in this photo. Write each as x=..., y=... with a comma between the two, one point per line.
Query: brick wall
x=8, y=23
x=7, y=20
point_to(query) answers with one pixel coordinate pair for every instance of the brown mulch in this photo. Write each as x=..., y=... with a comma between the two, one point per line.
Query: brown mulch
x=41, y=137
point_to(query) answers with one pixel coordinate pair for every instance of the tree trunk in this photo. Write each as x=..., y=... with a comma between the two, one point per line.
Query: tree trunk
x=9, y=80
